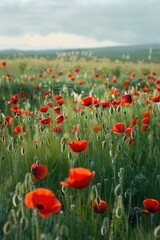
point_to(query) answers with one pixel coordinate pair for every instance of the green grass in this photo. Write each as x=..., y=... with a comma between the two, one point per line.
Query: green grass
x=126, y=173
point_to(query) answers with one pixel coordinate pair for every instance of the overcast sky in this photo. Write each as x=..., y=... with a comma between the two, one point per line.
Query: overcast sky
x=40, y=24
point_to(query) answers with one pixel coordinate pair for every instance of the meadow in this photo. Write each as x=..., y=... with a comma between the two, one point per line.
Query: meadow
x=80, y=149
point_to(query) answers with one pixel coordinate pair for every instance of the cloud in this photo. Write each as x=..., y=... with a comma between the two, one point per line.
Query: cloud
x=58, y=40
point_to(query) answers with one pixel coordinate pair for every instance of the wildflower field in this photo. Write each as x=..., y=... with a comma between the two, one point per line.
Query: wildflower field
x=80, y=149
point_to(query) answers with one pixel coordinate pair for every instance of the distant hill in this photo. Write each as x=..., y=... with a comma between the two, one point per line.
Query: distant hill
x=138, y=51
x=133, y=53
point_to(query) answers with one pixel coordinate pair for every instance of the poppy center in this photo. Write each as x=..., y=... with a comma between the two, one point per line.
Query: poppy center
x=88, y=103
x=40, y=206
x=45, y=122
x=33, y=170
x=150, y=210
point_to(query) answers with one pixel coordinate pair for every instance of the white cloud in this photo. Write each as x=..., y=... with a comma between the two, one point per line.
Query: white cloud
x=58, y=40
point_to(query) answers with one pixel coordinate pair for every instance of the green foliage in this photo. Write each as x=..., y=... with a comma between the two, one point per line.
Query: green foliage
x=116, y=71
x=22, y=67
x=126, y=173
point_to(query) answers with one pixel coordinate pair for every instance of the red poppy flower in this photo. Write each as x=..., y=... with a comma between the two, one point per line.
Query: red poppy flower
x=87, y=101
x=118, y=127
x=60, y=119
x=46, y=121
x=154, y=73
x=127, y=81
x=97, y=128
x=134, y=92
x=132, y=75
x=156, y=98
x=52, y=76
x=43, y=108
x=78, y=146
x=40, y=75
x=49, y=70
x=19, y=129
x=57, y=97
x=96, y=75
x=8, y=119
x=114, y=79
x=114, y=91
x=37, y=86
x=30, y=78
x=105, y=83
x=157, y=81
x=145, y=121
x=69, y=74
x=3, y=63
x=116, y=103
x=60, y=73
x=16, y=110
x=105, y=104
x=151, y=205
x=44, y=200
x=125, y=87
x=72, y=78
x=60, y=101
x=146, y=114
x=151, y=78
x=13, y=99
x=57, y=110
x=145, y=90
x=76, y=70
x=78, y=178
x=126, y=99
x=133, y=122
x=99, y=207
x=128, y=131
x=39, y=171
x=80, y=82
x=50, y=104
x=57, y=129
x=46, y=93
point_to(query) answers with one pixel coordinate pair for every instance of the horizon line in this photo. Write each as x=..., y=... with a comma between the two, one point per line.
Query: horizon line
x=24, y=49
